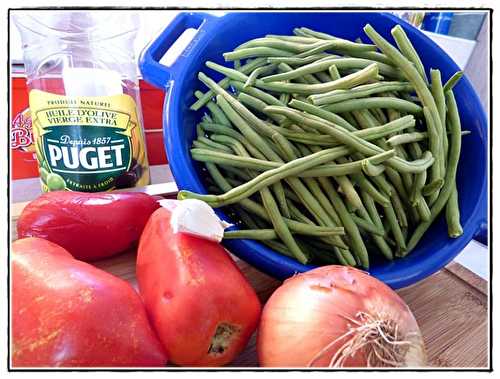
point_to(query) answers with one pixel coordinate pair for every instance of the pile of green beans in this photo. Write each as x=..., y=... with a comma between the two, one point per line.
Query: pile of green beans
x=328, y=150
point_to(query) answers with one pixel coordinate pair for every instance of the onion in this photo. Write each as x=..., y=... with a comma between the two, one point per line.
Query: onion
x=337, y=316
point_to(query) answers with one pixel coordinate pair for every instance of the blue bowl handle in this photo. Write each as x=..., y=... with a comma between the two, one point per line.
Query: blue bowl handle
x=156, y=73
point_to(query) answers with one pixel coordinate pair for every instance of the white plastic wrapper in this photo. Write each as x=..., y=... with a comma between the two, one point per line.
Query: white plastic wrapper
x=196, y=218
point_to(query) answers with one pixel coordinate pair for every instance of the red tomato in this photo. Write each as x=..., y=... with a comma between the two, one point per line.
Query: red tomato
x=68, y=313
x=199, y=302
x=90, y=226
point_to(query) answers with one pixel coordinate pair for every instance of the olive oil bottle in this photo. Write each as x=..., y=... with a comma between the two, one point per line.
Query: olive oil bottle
x=84, y=99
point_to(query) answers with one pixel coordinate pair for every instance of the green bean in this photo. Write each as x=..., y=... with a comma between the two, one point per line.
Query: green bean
x=367, y=120
x=224, y=83
x=254, y=138
x=378, y=113
x=256, y=104
x=409, y=70
x=350, y=44
x=280, y=226
x=370, y=134
x=399, y=209
x=231, y=73
x=407, y=178
x=367, y=226
x=325, y=64
x=254, y=234
x=334, y=45
x=351, y=140
x=362, y=91
x=201, y=145
x=347, y=188
x=240, y=150
x=348, y=81
x=423, y=209
x=253, y=52
x=312, y=184
x=370, y=169
x=396, y=180
x=323, y=77
x=437, y=92
x=382, y=184
x=244, y=217
x=275, y=43
x=217, y=115
x=288, y=153
x=281, y=198
x=348, y=168
x=395, y=228
x=252, y=206
x=416, y=190
x=206, y=118
x=257, y=93
x=392, y=114
x=267, y=178
x=449, y=181
x=374, y=102
x=314, y=207
x=373, y=132
x=366, y=186
x=375, y=217
x=206, y=154
x=400, y=139
x=372, y=56
x=405, y=65
x=452, y=81
x=214, y=145
x=233, y=107
x=199, y=131
x=432, y=187
x=264, y=70
x=297, y=61
x=304, y=79
x=222, y=129
x=452, y=209
x=453, y=215
x=297, y=214
x=435, y=147
x=334, y=72
x=285, y=98
x=321, y=113
x=407, y=49
x=298, y=39
x=350, y=227
x=405, y=138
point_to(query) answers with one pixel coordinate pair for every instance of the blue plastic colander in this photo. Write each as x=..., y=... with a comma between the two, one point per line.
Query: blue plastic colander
x=216, y=35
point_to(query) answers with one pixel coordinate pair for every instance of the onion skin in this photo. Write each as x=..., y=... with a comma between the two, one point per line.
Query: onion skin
x=311, y=310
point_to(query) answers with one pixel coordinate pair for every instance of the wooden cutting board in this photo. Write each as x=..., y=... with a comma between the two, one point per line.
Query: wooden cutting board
x=450, y=306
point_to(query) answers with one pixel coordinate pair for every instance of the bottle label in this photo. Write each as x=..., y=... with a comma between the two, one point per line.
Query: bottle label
x=88, y=144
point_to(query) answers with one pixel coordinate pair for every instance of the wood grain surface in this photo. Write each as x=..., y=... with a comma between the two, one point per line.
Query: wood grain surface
x=450, y=306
